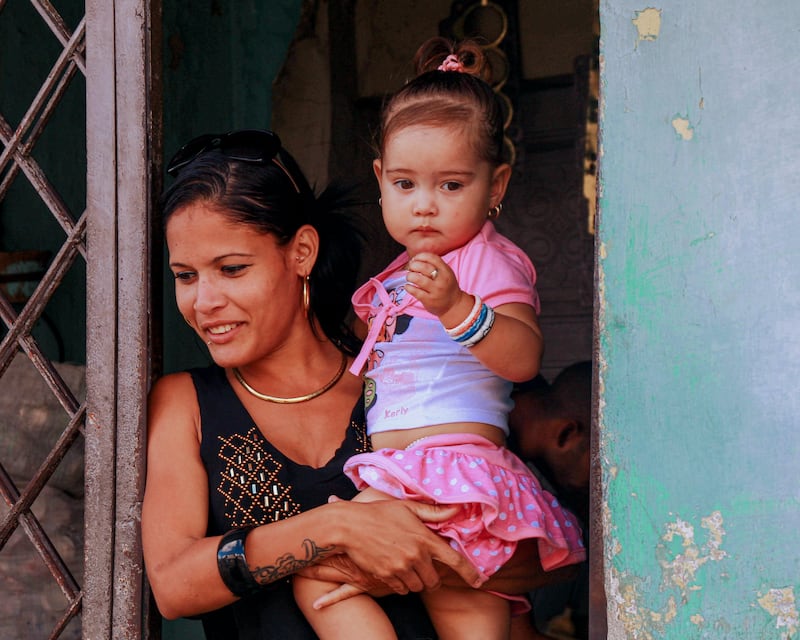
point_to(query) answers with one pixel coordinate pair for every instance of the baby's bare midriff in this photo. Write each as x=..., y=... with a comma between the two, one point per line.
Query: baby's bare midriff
x=401, y=438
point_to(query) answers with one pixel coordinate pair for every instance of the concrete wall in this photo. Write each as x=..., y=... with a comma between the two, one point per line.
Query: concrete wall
x=699, y=304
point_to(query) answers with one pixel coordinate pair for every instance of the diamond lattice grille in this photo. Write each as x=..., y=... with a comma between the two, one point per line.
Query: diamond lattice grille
x=35, y=536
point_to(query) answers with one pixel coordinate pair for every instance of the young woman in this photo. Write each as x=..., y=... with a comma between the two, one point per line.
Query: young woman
x=243, y=455
x=263, y=272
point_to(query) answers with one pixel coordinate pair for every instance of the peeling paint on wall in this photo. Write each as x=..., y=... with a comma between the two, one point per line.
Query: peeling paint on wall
x=680, y=572
x=780, y=603
x=679, y=575
x=648, y=24
x=683, y=128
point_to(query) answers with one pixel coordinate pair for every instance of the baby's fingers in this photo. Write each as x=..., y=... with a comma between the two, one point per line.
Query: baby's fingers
x=342, y=592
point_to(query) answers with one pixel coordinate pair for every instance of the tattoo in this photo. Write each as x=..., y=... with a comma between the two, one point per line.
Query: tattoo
x=288, y=564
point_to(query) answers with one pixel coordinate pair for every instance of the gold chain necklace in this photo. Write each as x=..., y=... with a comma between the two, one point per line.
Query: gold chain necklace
x=296, y=399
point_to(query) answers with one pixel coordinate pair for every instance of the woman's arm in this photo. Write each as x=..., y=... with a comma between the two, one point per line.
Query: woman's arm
x=180, y=560
x=385, y=538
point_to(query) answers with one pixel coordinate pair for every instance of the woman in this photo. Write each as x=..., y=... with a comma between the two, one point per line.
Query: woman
x=263, y=272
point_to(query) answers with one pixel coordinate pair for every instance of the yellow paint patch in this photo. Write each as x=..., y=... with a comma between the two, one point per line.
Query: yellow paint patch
x=780, y=603
x=697, y=619
x=680, y=571
x=648, y=24
x=683, y=128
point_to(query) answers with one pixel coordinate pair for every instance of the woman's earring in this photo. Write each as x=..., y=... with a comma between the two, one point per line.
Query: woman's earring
x=306, y=295
x=494, y=212
x=380, y=201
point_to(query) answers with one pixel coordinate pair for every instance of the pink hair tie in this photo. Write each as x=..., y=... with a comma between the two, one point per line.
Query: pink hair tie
x=451, y=63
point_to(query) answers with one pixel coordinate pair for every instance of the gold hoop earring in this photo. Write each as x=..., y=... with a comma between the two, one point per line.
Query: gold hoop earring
x=494, y=212
x=306, y=295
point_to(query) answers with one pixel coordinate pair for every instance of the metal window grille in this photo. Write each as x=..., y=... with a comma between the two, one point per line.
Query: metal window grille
x=113, y=236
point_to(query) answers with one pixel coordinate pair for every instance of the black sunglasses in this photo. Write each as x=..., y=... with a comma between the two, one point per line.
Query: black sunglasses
x=247, y=145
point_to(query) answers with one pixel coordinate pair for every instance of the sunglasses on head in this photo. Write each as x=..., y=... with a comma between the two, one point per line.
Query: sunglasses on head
x=247, y=145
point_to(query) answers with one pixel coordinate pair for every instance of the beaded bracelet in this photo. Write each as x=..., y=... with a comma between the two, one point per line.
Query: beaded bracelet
x=476, y=326
x=232, y=563
x=471, y=317
x=483, y=326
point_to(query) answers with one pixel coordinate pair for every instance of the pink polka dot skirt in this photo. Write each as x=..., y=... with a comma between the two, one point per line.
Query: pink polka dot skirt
x=503, y=501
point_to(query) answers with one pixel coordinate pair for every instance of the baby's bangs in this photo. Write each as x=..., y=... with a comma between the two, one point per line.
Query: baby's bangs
x=441, y=112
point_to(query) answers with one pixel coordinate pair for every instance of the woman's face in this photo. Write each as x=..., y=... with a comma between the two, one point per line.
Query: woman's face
x=237, y=288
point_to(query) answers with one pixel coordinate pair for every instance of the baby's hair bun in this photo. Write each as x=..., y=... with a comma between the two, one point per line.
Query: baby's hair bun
x=433, y=53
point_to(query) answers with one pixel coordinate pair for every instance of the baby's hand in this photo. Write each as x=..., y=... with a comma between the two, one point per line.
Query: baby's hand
x=433, y=283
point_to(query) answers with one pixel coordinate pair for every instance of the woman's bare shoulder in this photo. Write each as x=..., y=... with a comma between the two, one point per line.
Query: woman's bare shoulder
x=180, y=382
x=173, y=401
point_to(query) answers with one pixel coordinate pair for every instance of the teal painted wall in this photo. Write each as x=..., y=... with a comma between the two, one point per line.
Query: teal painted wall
x=699, y=307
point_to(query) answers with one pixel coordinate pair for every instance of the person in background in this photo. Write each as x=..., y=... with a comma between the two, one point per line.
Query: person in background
x=551, y=427
x=451, y=323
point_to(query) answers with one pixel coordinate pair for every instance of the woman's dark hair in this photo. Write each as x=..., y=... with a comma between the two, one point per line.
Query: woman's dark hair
x=275, y=198
x=444, y=98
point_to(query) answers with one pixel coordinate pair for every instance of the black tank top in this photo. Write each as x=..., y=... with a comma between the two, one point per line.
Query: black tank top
x=251, y=482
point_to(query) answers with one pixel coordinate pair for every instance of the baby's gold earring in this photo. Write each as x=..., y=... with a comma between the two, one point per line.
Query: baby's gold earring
x=494, y=212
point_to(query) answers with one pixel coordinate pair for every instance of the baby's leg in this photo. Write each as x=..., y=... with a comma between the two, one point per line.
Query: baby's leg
x=338, y=620
x=468, y=614
x=460, y=613
x=372, y=495
x=359, y=616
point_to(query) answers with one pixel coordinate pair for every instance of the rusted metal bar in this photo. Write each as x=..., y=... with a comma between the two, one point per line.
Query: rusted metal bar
x=101, y=308
x=134, y=204
x=36, y=130
x=42, y=294
x=42, y=475
x=42, y=185
x=62, y=392
x=59, y=28
x=55, y=564
x=63, y=61
x=73, y=610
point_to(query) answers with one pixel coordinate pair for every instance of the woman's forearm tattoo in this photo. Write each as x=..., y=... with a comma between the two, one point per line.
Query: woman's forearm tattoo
x=288, y=563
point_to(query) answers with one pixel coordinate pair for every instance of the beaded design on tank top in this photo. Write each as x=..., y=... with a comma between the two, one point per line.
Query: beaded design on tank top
x=249, y=482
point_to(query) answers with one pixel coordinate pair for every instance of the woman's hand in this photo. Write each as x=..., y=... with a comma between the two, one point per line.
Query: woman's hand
x=388, y=541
